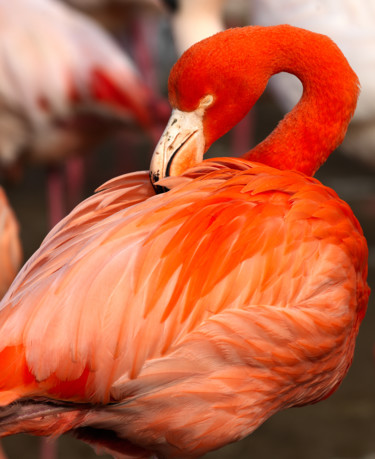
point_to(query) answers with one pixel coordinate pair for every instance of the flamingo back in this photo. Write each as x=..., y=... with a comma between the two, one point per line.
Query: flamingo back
x=239, y=290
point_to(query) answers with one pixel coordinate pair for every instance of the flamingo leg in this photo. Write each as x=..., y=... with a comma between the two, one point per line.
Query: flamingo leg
x=243, y=136
x=48, y=448
x=55, y=195
x=142, y=31
x=2, y=453
x=74, y=174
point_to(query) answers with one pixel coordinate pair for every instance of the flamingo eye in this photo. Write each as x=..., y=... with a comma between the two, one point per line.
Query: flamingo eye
x=206, y=101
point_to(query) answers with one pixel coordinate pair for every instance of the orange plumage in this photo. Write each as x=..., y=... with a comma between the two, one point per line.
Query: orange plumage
x=174, y=323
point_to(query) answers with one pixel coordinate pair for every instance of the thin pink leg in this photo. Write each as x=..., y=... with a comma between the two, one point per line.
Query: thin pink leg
x=143, y=29
x=124, y=143
x=242, y=136
x=55, y=195
x=143, y=32
x=48, y=448
x=2, y=453
x=75, y=173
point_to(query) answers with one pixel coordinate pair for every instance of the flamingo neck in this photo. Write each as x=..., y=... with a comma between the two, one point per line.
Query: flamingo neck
x=307, y=135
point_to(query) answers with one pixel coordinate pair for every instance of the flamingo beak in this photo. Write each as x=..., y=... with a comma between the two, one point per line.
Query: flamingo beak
x=180, y=147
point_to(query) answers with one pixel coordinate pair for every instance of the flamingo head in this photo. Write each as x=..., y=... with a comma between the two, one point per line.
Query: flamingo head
x=218, y=80
x=211, y=88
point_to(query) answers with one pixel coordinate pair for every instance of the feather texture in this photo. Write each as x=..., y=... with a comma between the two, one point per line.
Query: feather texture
x=182, y=292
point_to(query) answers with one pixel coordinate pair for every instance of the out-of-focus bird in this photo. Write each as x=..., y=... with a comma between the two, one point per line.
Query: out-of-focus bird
x=113, y=13
x=64, y=84
x=10, y=245
x=119, y=15
x=193, y=20
x=57, y=66
x=174, y=323
x=92, y=4
x=350, y=23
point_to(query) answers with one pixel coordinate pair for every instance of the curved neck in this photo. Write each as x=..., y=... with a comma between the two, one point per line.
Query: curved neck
x=317, y=124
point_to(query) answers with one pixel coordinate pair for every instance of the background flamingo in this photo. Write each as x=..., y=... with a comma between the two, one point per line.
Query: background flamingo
x=194, y=20
x=350, y=23
x=208, y=316
x=64, y=85
x=134, y=24
x=10, y=246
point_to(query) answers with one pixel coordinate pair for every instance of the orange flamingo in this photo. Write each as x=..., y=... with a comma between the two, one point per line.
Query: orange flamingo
x=174, y=323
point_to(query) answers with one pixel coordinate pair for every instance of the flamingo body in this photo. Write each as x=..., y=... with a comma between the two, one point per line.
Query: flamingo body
x=186, y=317
x=174, y=323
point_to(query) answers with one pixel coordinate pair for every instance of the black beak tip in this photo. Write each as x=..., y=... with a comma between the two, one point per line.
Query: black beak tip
x=154, y=177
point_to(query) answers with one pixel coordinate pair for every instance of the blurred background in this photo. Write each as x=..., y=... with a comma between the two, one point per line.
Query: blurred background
x=83, y=99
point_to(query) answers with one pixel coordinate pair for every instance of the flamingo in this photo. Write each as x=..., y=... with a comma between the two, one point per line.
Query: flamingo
x=194, y=20
x=10, y=245
x=138, y=17
x=64, y=84
x=58, y=64
x=173, y=316
x=10, y=251
x=350, y=23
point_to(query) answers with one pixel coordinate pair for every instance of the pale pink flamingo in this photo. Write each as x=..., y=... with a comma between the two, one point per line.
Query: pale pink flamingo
x=64, y=84
x=10, y=245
